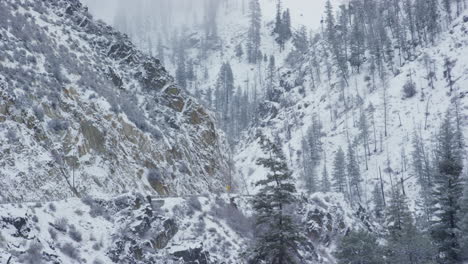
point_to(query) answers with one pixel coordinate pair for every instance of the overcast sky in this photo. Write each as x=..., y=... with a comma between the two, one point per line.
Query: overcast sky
x=102, y=9
x=304, y=12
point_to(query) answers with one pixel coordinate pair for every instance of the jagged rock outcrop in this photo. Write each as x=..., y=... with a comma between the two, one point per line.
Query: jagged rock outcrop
x=135, y=229
x=82, y=111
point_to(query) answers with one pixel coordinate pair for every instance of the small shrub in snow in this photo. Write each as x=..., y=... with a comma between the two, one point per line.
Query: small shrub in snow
x=79, y=212
x=33, y=254
x=38, y=205
x=70, y=250
x=52, y=207
x=97, y=246
x=2, y=239
x=409, y=89
x=154, y=175
x=52, y=233
x=194, y=203
x=200, y=227
x=35, y=219
x=75, y=234
x=97, y=210
x=57, y=125
x=38, y=112
x=98, y=261
x=11, y=136
x=61, y=224
x=88, y=200
x=176, y=209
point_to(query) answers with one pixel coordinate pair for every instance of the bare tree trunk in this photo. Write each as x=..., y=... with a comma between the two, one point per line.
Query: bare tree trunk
x=382, y=187
x=427, y=112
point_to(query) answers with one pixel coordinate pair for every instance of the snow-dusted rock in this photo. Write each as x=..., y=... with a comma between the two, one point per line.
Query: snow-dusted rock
x=82, y=111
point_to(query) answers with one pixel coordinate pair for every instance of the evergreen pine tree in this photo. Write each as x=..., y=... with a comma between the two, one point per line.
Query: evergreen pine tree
x=312, y=148
x=254, y=37
x=278, y=21
x=160, y=51
x=301, y=40
x=378, y=201
x=339, y=173
x=406, y=244
x=445, y=227
x=278, y=236
x=209, y=97
x=309, y=168
x=287, y=32
x=398, y=215
x=357, y=47
x=239, y=50
x=330, y=23
x=224, y=95
x=464, y=222
x=181, y=71
x=271, y=77
x=326, y=185
x=354, y=175
x=432, y=18
x=190, y=72
x=448, y=8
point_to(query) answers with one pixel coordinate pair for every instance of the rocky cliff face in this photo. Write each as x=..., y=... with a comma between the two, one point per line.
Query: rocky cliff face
x=134, y=229
x=82, y=111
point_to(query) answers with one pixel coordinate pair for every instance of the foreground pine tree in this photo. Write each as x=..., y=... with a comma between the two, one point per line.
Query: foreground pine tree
x=464, y=222
x=405, y=243
x=445, y=226
x=278, y=239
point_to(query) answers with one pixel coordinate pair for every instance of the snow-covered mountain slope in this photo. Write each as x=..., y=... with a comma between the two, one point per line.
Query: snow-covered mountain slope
x=290, y=117
x=130, y=229
x=82, y=111
x=147, y=22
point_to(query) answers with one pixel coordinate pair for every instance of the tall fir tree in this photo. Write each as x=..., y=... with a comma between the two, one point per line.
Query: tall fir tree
x=354, y=175
x=379, y=206
x=271, y=77
x=464, y=221
x=399, y=217
x=254, y=34
x=301, y=40
x=286, y=28
x=448, y=8
x=160, y=50
x=278, y=235
x=309, y=168
x=357, y=47
x=326, y=185
x=181, y=71
x=339, y=173
x=445, y=225
x=278, y=20
x=406, y=244
x=224, y=95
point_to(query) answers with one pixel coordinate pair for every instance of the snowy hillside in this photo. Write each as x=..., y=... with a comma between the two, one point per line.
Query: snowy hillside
x=82, y=111
x=422, y=114
x=233, y=131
